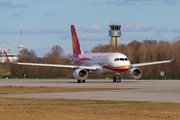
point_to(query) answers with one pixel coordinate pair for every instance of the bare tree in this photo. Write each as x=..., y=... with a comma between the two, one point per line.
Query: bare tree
x=26, y=56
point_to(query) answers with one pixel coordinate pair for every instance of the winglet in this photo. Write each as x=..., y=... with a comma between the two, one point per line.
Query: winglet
x=172, y=55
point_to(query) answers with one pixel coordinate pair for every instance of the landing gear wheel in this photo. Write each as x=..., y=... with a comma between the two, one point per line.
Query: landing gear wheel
x=119, y=79
x=114, y=79
x=81, y=81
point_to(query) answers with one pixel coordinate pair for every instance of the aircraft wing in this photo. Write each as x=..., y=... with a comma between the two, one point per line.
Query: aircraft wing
x=57, y=65
x=152, y=63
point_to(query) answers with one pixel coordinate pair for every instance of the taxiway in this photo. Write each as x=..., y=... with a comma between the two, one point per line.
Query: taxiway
x=145, y=90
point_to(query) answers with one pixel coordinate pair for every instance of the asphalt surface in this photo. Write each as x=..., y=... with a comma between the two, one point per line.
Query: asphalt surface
x=146, y=90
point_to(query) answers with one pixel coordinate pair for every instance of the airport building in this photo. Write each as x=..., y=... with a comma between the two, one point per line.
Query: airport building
x=115, y=33
x=12, y=57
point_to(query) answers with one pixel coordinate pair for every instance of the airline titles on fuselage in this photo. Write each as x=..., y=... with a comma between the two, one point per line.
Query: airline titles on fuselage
x=101, y=57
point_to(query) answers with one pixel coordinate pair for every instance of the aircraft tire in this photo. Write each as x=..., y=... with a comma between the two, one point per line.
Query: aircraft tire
x=83, y=81
x=114, y=79
x=78, y=81
x=119, y=79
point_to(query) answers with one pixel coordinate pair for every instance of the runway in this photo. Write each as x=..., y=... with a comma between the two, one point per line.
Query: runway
x=145, y=90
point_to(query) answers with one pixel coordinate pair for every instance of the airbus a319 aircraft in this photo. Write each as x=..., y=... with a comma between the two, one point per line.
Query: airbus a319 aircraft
x=98, y=63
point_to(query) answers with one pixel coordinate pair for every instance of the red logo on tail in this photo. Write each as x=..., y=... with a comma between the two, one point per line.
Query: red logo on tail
x=75, y=42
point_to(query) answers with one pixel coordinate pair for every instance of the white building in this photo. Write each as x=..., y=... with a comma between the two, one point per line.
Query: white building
x=12, y=57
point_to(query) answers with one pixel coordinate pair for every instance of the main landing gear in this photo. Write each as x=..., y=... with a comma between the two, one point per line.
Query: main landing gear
x=117, y=78
x=81, y=81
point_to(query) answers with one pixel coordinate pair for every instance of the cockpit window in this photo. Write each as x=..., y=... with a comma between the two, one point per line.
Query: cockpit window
x=121, y=59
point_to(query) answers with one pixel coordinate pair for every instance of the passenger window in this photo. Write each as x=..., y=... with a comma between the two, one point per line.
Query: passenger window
x=122, y=59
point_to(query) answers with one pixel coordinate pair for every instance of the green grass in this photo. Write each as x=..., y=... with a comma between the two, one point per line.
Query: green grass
x=64, y=109
x=11, y=89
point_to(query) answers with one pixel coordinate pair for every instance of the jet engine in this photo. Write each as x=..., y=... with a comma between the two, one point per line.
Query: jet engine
x=80, y=74
x=134, y=73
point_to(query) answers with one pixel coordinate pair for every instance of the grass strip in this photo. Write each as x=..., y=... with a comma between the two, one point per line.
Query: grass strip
x=65, y=109
x=11, y=89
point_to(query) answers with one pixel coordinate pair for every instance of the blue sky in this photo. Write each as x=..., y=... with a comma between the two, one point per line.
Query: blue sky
x=47, y=22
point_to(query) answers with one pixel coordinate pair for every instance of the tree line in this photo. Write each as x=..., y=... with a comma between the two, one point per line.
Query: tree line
x=149, y=51
x=29, y=56
x=137, y=52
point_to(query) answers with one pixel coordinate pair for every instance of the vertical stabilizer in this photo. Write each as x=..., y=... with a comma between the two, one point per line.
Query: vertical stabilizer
x=75, y=42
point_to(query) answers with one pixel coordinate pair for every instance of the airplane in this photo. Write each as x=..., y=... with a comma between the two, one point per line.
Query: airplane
x=98, y=63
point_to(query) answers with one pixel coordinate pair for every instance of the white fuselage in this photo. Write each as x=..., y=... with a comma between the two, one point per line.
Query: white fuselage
x=104, y=62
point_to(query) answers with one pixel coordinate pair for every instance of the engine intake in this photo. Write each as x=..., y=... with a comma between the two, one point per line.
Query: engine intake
x=134, y=73
x=80, y=74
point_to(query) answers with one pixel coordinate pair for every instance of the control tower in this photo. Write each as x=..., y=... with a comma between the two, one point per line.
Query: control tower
x=115, y=33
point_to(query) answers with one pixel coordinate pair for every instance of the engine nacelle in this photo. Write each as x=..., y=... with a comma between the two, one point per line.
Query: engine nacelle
x=134, y=73
x=80, y=74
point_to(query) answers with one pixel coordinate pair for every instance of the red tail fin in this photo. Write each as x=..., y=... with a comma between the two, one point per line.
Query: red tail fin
x=75, y=42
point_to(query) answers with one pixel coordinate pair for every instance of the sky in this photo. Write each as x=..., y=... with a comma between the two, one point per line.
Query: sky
x=47, y=22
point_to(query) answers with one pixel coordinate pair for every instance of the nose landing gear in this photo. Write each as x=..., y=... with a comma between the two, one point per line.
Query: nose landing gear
x=117, y=78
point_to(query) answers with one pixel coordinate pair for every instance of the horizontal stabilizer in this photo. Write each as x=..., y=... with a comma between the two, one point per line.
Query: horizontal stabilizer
x=61, y=58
